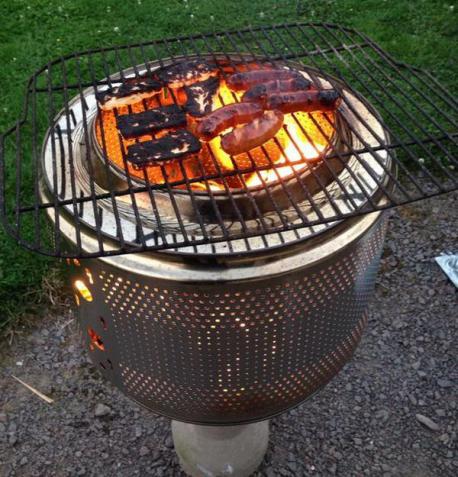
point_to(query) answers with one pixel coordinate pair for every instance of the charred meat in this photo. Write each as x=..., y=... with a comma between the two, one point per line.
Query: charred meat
x=176, y=144
x=146, y=122
x=200, y=97
x=186, y=73
x=129, y=92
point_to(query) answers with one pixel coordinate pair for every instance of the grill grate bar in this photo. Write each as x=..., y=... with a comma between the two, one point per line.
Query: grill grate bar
x=209, y=177
x=226, y=186
x=391, y=131
x=427, y=116
x=370, y=163
x=267, y=157
x=111, y=192
x=97, y=214
x=246, y=189
x=367, y=147
x=311, y=141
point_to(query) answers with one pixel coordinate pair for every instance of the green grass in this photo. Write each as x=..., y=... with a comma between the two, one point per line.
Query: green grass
x=423, y=33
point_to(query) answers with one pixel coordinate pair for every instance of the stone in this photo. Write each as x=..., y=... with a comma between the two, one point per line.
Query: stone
x=427, y=422
x=102, y=410
x=144, y=451
x=169, y=442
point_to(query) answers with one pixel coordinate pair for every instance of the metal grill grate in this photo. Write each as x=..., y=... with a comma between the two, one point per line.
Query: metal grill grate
x=375, y=163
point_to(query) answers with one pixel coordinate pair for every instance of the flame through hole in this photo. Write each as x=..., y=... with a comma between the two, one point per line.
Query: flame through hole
x=96, y=340
x=83, y=290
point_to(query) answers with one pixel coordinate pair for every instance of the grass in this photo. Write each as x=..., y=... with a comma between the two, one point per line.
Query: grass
x=423, y=33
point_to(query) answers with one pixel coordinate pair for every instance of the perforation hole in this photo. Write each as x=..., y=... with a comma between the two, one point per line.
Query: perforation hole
x=103, y=322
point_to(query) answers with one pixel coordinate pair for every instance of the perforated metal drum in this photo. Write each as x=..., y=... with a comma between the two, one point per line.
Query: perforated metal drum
x=231, y=341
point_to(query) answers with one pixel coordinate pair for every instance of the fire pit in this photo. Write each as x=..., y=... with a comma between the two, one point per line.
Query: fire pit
x=248, y=290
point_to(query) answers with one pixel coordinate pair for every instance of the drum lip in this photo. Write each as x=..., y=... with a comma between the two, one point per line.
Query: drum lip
x=189, y=268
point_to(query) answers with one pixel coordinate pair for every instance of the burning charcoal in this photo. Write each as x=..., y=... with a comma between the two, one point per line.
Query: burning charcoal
x=200, y=97
x=186, y=73
x=133, y=125
x=175, y=144
x=129, y=92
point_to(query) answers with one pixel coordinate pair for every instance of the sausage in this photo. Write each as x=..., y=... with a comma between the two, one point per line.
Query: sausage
x=307, y=101
x=247, y=79
x=253, y=134
x=259, y=92
x=226, y=117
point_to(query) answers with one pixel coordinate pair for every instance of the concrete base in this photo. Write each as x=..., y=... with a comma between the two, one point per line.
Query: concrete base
x=207, y=451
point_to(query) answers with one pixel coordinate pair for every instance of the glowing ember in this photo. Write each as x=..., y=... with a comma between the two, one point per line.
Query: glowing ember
x=301, y=141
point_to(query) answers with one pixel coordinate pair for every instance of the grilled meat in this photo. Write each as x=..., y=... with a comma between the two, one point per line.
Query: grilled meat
x=228, y=116
x=307, y=101
x=146, y=122
x=259, y=92
x=130, y=92
x=253, y=134
x=200, y=96
x=247, y=79
x=185, y=73
x=175, y=144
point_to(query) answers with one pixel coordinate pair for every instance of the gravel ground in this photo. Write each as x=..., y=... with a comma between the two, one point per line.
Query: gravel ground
x=391, y=412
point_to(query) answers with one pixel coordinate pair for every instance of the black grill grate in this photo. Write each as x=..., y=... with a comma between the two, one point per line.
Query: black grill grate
x=419, y=117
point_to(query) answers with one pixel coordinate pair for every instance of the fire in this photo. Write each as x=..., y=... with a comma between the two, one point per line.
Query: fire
x=302, y=140
x=298, y=150
x=83, y=290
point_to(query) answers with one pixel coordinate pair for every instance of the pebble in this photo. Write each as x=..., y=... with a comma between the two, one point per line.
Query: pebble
x=426, y=421
x=444, y=383
x=102, y=410
x=143, y=451
x=169, y=442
